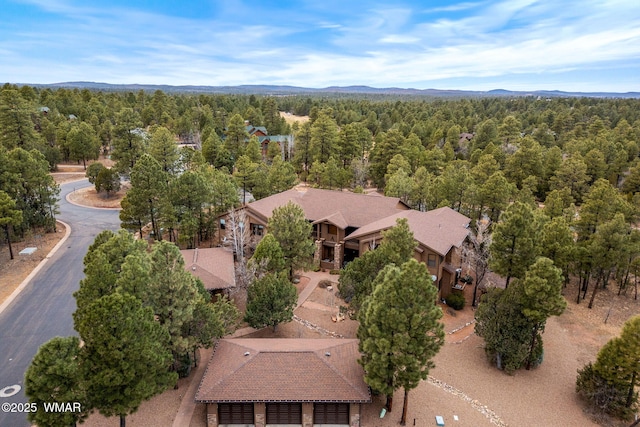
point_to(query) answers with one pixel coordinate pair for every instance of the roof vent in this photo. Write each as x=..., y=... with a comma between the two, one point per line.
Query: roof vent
x=246, y=353
x=327, y=354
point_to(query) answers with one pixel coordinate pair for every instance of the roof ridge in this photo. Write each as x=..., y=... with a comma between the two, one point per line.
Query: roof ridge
x=222, y=379
x=335, y=369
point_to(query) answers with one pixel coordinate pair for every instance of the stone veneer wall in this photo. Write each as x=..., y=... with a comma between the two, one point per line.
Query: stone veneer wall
x=260, y=414
x=337, y=256
x=354, y=415
x=212, y=415
x=307, y=415
x=317, y=255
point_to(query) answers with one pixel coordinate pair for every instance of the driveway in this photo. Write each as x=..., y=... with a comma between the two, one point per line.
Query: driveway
x=43, y=309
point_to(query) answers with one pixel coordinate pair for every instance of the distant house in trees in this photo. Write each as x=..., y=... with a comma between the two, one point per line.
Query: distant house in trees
x=345, y=225
x=465, y=138
x=304, y=382
x=284, y=141
x=214, y=266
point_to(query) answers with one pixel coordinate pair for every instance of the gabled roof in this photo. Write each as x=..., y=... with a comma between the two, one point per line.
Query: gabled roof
x=356, y=209
x=251, y=130
x=335, y=218
x=284, y=370
x=439, y=229
x=214, y=266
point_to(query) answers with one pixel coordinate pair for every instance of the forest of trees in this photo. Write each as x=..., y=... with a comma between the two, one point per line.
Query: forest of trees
x=554, y=184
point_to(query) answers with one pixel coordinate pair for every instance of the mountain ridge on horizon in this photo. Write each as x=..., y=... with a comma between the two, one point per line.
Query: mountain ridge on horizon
x=350, y=89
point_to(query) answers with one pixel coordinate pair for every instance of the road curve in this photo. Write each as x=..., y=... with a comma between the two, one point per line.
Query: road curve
x=43, y=309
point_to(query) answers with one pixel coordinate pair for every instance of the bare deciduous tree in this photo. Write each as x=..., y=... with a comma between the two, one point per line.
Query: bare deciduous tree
x=475, y=253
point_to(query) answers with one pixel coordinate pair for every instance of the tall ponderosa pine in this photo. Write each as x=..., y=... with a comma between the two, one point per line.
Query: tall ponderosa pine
x=397, y=247
x=54, y=376
x=514, y=243
x=128, y=141
x=610, y=383
x=124, y=359
x=541, y=298
x=173, y=294
x=512, y=320
x=83, y=143
x=9, y=216
x=15, y=122
x=399, y=330
x=163, y=148
x=293, y=232
x=147, y=199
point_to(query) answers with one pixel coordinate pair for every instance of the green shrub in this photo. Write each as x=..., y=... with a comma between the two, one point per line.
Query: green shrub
x=334, y=271
x=456, y=300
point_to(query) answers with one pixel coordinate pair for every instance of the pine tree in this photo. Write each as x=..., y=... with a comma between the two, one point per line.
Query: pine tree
x=163, y=148
x=270, y=301
x=83, y=143
x=268, y=256
x=397, y=247
x=9, y=216
x=128, y=141
x=609, y=383
x=15, y=122
x=505, y=329
x=399, y=330
x=124, y=359
x=541, y=298
x=147, y=198
x=514, y=244
x=172, y=293
x=293, y=232
x=54, y=376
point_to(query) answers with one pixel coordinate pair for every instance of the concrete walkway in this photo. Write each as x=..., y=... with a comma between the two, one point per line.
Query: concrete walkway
x=188, y=404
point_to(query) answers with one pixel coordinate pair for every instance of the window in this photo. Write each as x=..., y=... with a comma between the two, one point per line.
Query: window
x=332, y=229
x=257, y=229
x=223, y=224
x=432, y=261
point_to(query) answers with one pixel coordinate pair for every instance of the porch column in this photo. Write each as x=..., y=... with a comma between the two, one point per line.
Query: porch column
x=317, y=256
x=337, y=256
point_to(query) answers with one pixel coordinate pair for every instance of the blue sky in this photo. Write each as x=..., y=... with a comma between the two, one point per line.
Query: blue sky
x=586, y=45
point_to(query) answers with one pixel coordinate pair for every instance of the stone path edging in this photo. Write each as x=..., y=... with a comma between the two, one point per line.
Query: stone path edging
x=483, y=409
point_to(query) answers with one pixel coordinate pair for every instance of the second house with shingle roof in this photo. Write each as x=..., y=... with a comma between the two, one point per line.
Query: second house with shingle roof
x=345, y=225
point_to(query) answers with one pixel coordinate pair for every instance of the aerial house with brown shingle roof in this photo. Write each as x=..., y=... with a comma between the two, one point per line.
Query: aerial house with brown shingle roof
x=439, y=234
x=299, y=382
x=334, y=215
x=213, y=266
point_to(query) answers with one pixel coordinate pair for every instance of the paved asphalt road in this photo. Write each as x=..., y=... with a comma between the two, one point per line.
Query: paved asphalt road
x=43, y=309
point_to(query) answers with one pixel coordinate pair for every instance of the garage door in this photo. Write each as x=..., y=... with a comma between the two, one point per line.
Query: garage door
x=284, y=413
x=235, y=413
x=331, y=413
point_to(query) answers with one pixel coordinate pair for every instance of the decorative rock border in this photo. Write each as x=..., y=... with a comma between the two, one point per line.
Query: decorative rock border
x=316, y=328
x=483, y=409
